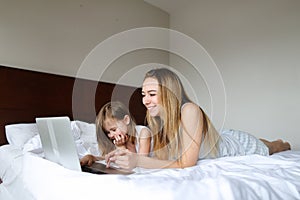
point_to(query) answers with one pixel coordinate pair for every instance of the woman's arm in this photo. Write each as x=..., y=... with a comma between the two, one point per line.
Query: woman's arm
x=192, y=128
x=191, y=122
x=129, y=160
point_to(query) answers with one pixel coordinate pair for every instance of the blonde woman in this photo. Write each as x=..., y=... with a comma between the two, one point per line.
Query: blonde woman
x=182, y=132
x=116, y=129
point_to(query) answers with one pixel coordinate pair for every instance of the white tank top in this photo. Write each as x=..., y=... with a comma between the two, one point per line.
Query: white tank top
x=138, y=129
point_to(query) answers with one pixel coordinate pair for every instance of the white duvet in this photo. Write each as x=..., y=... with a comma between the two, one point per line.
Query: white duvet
x=27, y=176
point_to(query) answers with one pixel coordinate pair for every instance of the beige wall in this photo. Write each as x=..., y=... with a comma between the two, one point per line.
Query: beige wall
x=57, y=35
x=255, y=45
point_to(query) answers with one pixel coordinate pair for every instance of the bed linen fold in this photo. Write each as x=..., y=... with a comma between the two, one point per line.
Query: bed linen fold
x=241, y=177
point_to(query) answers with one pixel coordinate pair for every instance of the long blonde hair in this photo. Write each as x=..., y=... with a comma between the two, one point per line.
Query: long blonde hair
x=167, y=137
x=112, y=110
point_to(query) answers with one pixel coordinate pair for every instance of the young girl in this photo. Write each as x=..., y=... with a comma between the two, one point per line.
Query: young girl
x=182, y=132
x=116, y=129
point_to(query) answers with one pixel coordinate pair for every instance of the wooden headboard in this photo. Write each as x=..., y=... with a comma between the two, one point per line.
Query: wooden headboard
x=26, y=95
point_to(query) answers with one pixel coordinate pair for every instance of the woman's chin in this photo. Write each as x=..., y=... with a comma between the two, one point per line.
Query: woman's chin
x=154, y=114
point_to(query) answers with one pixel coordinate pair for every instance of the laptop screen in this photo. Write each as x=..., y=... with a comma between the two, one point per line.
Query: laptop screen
x=57, y=141
x=59, y=146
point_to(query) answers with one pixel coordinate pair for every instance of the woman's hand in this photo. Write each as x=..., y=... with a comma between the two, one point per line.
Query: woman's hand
x=87, y=160
x=124, y=158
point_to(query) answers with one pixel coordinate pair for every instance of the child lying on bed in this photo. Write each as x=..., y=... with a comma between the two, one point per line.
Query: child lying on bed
x=116, y=129
x=182, y=133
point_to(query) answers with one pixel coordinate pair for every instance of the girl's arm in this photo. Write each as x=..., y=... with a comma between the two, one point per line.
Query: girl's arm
x=144, y=139
x=144, y=142
x=90, y=159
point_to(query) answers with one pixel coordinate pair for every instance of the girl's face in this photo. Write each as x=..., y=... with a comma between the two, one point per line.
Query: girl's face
x=151, y=97
x=116, y=128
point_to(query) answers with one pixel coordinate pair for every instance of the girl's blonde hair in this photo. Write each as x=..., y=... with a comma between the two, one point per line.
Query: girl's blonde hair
x=112, y=110
x=167, y=136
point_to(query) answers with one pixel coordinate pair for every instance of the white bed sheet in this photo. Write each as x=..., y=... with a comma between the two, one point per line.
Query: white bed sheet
x=27, y=176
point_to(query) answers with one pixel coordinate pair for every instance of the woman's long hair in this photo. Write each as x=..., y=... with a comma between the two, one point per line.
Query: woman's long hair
x=166, y=129
x=112, y=110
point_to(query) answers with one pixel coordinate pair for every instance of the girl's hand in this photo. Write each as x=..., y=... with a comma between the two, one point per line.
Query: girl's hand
x=87, y=160
x=124, y=158
x=120, y=140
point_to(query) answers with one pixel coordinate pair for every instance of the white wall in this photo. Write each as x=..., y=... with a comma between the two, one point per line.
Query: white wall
x=255, y=45
x=56, y=35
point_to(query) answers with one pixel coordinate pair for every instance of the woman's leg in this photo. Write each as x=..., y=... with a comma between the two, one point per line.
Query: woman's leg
x=276, y=146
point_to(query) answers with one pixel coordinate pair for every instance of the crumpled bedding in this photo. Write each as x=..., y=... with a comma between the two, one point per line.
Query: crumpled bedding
x=28, y=176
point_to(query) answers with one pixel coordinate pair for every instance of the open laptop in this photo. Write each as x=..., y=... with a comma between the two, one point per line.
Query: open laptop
x=59, y=146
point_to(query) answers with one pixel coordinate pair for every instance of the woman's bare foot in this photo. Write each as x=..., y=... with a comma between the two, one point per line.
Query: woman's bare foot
x=276, y=146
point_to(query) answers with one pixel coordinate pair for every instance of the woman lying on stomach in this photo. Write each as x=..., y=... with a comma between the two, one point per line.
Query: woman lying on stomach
x=181, y=131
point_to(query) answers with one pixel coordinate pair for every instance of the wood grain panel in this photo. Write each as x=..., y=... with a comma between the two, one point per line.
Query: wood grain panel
x=25, y=95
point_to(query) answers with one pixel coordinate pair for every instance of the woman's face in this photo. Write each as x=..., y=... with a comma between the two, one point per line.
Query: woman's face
x=151, y=97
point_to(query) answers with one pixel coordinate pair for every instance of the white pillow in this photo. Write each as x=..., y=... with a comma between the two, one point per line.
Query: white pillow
x=19, y=134
x=26, y=137
x=34, y=142
x=75, y=130
x=88, y=138
x=87, y=131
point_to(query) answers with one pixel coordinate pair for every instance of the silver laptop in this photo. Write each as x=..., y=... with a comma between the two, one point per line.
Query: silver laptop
x=59, y=146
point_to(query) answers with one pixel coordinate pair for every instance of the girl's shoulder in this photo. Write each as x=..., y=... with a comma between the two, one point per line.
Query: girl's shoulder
x=142, y=130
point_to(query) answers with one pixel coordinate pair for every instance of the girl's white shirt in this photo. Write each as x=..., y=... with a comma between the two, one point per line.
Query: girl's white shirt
x=138, y=129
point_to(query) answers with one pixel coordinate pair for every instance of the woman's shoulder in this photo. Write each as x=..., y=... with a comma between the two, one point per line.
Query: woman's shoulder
x=189, y=106
x=190, y=110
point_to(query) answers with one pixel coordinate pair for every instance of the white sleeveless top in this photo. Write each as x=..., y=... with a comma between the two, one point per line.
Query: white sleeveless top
x=138, y=129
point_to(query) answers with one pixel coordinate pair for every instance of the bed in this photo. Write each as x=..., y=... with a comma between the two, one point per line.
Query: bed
x=26, y=175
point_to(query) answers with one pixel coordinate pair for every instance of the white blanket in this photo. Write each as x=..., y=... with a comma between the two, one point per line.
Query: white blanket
x=27, y=176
